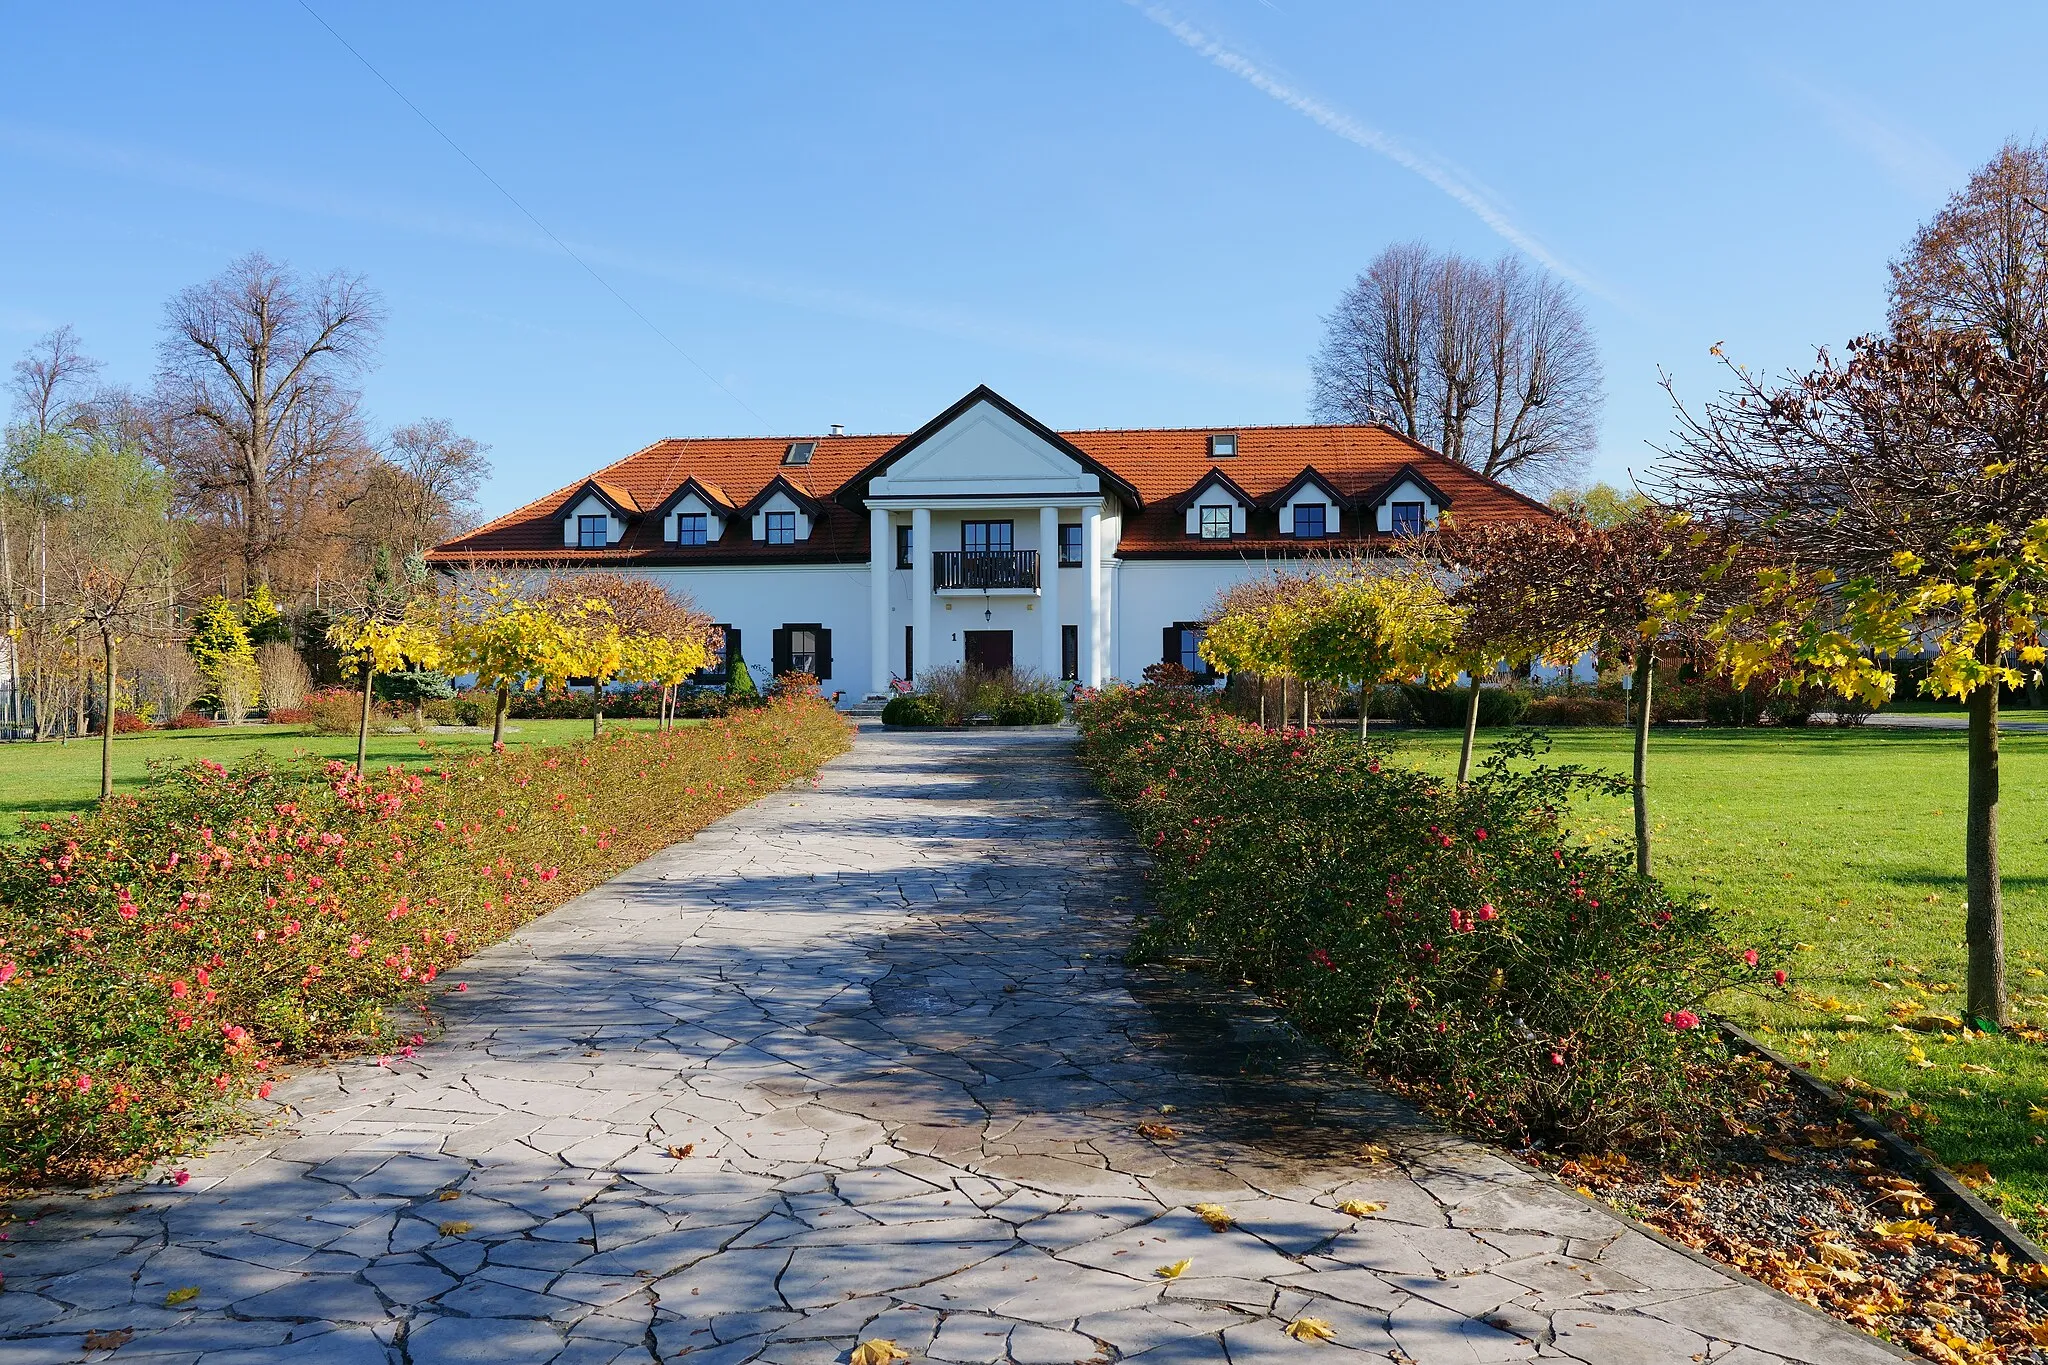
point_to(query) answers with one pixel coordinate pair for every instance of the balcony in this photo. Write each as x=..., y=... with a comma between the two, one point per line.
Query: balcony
x=985, y=571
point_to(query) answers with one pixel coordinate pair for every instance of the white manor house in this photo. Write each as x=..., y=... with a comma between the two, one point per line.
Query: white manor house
x=983, y=538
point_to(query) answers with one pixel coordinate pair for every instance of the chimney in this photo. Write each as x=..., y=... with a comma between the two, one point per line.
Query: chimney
x=838, y=428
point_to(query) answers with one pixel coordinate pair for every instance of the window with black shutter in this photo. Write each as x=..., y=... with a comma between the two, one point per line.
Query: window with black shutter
x=725, y=647
x=1070, y=653
x=778, y=652
x=1182, y=644
x=804, y=649
x=903, y=547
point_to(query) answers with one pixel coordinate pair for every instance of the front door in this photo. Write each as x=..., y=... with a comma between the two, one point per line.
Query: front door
x=989, y=651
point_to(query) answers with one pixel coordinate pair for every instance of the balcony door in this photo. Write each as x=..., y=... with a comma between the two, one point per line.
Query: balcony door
x=988, y=537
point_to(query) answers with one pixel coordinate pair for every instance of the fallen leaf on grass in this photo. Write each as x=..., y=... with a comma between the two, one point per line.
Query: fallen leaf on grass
x=1215, y=1215
x=1174, y=1271
x=1158, y=1132
x=877, y=1351
x=1975, y=1068
x=446, y=1195
x=178, y=1296
x=1935, y=1023
x=1309, y=1329
x=1854, y=1019
x=109, y=1341
x=1360, y=1208
x=455, y=1229
x=680, y=1152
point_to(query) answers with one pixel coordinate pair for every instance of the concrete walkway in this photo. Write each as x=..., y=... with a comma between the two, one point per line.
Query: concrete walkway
x=886, y=1026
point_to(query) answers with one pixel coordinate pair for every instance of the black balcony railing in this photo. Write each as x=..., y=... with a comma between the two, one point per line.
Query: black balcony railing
x=978, y=569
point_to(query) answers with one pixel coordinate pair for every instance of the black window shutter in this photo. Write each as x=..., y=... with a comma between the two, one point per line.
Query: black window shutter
x=824, y=654
x=1169, y=648
x=779, y=655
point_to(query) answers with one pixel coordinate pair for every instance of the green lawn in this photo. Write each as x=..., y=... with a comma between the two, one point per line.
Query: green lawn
x=1851, y=842
x=51, y=780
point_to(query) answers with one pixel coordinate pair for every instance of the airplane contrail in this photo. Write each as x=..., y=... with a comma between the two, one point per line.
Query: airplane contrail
x=1351, y=130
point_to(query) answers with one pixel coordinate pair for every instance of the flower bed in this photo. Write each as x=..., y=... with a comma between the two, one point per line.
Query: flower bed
x=160, y=958
x=1460, y=943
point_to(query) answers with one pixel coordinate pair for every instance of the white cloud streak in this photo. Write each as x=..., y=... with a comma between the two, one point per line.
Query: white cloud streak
x=963, y=323
x=1910, y=159
x=1334, y=120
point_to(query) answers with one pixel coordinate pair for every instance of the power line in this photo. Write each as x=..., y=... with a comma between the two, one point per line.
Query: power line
x=514, y=201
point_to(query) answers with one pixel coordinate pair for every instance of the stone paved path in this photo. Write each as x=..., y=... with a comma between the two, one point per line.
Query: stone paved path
x=887, y=1019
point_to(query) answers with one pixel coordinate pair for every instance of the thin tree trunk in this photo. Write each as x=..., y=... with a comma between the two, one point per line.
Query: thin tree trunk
x=596, y=706
x=109, y=645
x=500, y=707
x=1984, y=923
x=363, y=728
x=1262, y=701
x=1646, y=672
x=84, y=690
x=1364, y=708
x=1471, y=732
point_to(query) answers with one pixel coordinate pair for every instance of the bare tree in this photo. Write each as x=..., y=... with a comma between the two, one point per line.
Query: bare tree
x=420, y=491
x=1492, y=365
x=1979, y=265
x=253, y=371
x=49, y=380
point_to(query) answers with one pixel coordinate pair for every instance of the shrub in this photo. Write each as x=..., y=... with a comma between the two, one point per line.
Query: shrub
x=126, y=722
x=162, y=956
x=1498, y=706
x=1579, y=710
x=913, y=709
x=189, y=719
x=282, y=677
x=1011, y=697
x=793, y=684
x=335, y=711
x=1031, y=708
x=291, y=715
x=472, y=708
x=739, y=681
x=1459, y=942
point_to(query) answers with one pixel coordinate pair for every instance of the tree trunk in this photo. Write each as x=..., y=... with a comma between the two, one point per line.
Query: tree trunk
x=596, y=706
x=1471, y=732
x=1646, y=672
x=363, y=728
x=109, y=645
x=1984, y=923
x=499, y=710
x=84, y=691
x=1364, y=709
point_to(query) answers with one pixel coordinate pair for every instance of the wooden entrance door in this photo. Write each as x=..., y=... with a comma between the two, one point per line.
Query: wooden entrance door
x=990, y=651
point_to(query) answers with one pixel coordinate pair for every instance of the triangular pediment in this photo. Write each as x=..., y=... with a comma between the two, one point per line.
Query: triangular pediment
x=985, y=446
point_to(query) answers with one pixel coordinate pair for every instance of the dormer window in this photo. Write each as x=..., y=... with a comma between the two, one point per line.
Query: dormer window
x=1216, y=521
x=692, y=528
x=780, y=528
x=799, y=452
x=593, y=533
x=1309, y=520
x=1223, y=446
x=1408, y=518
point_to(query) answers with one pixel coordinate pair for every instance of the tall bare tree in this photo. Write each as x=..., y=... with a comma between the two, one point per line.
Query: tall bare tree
x=1491, y=364
x=254, y=371
x=420, y=490
x=52, y=383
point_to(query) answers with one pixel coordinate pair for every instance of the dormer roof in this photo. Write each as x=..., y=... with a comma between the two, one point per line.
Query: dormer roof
x=1306, y=478
x=1215, y=478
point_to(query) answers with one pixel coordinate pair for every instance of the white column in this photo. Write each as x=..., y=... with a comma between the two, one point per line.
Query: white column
x=920, y=590
x=881, y=559
x=1094, y=632
x=1049, y=590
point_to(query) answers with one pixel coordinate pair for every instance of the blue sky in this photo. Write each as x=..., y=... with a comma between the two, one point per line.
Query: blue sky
x=1116, y=214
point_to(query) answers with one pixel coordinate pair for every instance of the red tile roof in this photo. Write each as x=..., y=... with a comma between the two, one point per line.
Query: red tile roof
x=1162, y=465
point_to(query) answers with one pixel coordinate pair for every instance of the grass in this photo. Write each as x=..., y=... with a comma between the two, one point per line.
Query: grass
x=52, y=780
x=1851, y=843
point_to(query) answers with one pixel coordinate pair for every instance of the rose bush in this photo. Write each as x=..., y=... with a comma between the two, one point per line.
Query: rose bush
x=160, y=958
x=1457, y=941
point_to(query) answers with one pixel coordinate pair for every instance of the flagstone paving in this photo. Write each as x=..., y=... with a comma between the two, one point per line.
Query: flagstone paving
x=887, y=1020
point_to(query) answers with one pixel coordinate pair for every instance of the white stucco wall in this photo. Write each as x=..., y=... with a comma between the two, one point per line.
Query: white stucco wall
x=760, y=599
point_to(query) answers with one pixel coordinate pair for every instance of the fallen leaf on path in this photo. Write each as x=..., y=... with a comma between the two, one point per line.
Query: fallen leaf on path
x=455, y=1229
x=1310, y=1329
x=1215, y=1215
x=1174, y=1271
x=1158, y=1132
x=1372, y=1151
x=109, y=1341
x=1359, y=1208
x=178, y=1296
x=446, y=1195
x=877, y=1351
x=680, y=1152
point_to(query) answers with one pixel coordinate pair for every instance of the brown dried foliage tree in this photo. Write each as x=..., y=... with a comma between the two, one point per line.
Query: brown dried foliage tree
x=1913, y=445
